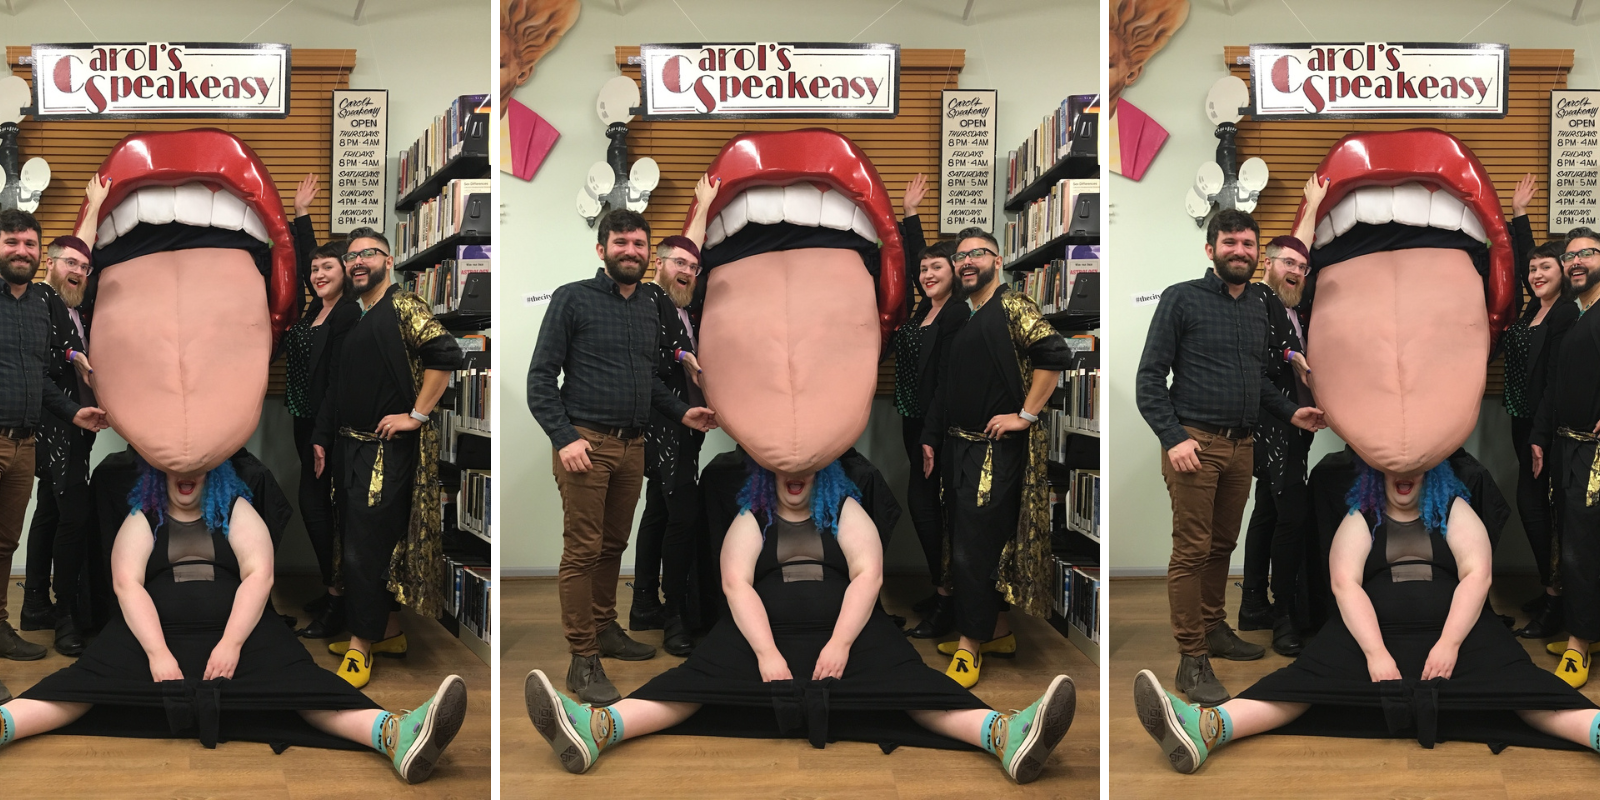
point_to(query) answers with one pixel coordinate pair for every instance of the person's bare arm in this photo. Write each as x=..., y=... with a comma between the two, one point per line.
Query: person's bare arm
x=863, y=548
x=704, y=192
x=130, y=553
x=740, y=549
x=434, y=382
x=252, y=546
x=1316, y=188
x=94, y=197
x=1346, y=561
x=1469, y=543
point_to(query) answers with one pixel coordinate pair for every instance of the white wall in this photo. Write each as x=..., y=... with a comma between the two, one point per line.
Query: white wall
x=1153, y=243
x=1035, y=52
x=425, y=52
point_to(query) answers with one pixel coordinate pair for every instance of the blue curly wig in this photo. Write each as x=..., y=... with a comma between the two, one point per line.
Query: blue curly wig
x=760, y=494
x=223, y=486
x=1440, y=488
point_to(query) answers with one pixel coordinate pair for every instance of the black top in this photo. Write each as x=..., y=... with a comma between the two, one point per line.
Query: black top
x=606, y=349
x=63, y=449
x=1216, y=348
x=1572, y=399
x=25, y=356
x=1533, y=369
x=978, y=392
x=920, y=349
x=1281, y=448
x=324, y=343
x=672, y=449
x=369, y=388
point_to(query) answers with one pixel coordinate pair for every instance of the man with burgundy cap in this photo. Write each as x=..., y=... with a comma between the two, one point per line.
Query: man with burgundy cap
x=1275, y=539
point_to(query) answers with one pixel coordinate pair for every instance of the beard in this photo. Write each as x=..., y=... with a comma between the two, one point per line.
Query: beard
x=1290, y=295
x=1235, y=270
x=71, y=295
x=19, y=269
x=625, y=270
x=984, y=277
x=374, y=277
x=681, y=296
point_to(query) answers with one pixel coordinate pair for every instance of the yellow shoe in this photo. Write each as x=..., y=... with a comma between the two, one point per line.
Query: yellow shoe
x=1574, y=669
x=392, y=647
x=1560, y=647
x=964, y=668
x=1003, y=647
x=356, y=668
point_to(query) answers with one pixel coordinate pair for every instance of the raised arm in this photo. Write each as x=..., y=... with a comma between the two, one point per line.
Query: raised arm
x=94, y=197
x=740, y=549
x=252, y=546
x=911, y=238
x=1346, y=561
x=704, y=192
x=863, y=548
x=130, y=553
x=1469, y=543
x=1316, y=188
x=1522, y=243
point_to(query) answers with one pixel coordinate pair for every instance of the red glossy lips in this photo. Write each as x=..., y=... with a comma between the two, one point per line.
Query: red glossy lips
x=823, y=158
x=218, y=158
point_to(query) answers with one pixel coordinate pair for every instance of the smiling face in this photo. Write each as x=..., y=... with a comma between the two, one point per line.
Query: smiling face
x=327, y=279
x=1546, y=277
x=1233, y=255
x=367, y=264
x=1403, y=494
x=676, y=272
x=625, y=254
x=1580, y=269
x=794, y=495
x=19, y=256
x=185, y=495
x=976, y=271
x=937, y=278
x=1286, y=274
x=68, y=274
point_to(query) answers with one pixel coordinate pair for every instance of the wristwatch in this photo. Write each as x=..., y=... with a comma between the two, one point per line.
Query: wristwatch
x=1031, y=418
x=418, y=416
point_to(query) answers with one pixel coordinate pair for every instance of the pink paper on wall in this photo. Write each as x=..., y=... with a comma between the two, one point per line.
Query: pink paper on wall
x=531, y=139
x=1140, y=137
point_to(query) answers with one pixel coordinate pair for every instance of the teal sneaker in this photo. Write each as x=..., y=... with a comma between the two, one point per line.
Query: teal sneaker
x=575, y=731
x=414, y=740
x=1028, y=736
x=1174, y=724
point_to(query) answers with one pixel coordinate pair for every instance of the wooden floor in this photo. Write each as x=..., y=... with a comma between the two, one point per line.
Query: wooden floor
x=707, y=767
x=1311, y=766
x=98, y=767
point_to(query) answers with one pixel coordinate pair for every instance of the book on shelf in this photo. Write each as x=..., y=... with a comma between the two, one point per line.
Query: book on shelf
x=437, y=218
x=1050, y=286
x=472, y=504
x=1077, y=594
x=454, y=563
x=473, y=601
x=443, y=285
x=465, y=121
x=1050, y=142
x=1046, y=218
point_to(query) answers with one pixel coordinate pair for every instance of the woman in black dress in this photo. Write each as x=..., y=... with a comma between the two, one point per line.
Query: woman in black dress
x=1415, y=651
x=805, y=652
x=195, y=653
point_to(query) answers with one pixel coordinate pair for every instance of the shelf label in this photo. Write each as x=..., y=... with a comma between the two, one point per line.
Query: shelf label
x=966, y=159
x=1574, y=159
x=359, y=183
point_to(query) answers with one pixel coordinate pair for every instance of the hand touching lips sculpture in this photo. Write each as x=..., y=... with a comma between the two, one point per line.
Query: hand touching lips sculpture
x=195, y=283
x=792, y=326
x=1404, y=321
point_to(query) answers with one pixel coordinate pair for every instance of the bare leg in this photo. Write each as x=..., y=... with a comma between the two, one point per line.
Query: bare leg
x=1251, y=717
x=365, y=645
x=352, y=724
x=1580, y=645
x=1572, y=724
x=965, y=725
x=641, y=717
x=41, y=716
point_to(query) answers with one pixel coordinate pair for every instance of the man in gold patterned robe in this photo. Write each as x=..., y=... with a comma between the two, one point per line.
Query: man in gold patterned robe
x=1002, y=367
x=396, y=363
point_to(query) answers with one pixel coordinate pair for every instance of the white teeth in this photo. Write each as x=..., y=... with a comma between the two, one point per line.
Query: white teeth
x=736, y=214
x=157, y=204
x=1344, y=215
x=1446, y=212
x=1412, y=202
x=1471, y=227
x=126, y=214
x=193, y=205
x=1374, y=204
x=802, y=204
x=837, y=211
x=227, y=211
x=766, y=204
x=1324, y=230
x=254, y=227
x=863, y=226
x=715, y=232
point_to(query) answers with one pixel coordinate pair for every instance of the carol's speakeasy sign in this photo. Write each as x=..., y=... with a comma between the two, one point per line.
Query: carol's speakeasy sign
x=1379, y=79
x=360, y=149
x=160, y=79
x=770, y=80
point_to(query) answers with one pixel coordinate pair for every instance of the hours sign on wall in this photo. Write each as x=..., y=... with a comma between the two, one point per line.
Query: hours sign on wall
x=360, y=148
x=966, y=159
x=1574, y=159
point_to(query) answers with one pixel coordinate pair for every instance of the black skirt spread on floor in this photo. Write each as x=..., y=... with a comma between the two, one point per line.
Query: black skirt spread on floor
x=1411, y=577
x=801, y=577
x=192, y=576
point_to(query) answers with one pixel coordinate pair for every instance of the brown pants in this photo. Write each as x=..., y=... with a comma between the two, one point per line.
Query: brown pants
x=598, y=515
x=1207, y=509
x=16, y=489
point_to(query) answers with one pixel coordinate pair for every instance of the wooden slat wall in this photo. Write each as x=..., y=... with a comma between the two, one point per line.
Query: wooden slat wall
x=899, y=147
x=1508, y=148
x=289, y=147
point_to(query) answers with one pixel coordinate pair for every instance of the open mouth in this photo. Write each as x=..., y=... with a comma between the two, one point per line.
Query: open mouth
x=186, y=488
x=1404, y=488
x=794, y=488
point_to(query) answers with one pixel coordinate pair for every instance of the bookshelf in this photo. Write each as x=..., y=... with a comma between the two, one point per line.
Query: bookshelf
x=443, y=255
x=1055, y=259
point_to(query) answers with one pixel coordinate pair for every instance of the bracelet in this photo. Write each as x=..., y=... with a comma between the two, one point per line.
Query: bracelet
x=677, y=355
x=1031, y=418
x=418, y=415
x=1288, y=355
x=70, y=354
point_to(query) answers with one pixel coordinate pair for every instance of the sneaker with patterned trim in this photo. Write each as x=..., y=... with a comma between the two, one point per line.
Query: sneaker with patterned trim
x=356, y=668
x=1186, y=733
x=575, y=731
x=413, y=740
x=1024, y=739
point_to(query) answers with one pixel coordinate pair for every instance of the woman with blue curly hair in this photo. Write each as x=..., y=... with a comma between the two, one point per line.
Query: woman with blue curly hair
x=1414, y=652
x=196, y=652
x=806, y=652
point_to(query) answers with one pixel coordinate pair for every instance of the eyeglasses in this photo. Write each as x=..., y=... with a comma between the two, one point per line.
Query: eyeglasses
x=75, y=264
x=683, y=263
x=371, y=252
x=1294, y=266
x=1587, y=252
x=961, y=257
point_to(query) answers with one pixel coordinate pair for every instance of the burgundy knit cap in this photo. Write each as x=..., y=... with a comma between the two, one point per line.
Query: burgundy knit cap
x=1291, y=243
x=682, y=243
x=74, y=243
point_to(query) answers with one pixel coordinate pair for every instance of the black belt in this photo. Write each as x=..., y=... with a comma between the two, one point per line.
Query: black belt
x=609, y=430
x=16, y=434
x=1217, y=430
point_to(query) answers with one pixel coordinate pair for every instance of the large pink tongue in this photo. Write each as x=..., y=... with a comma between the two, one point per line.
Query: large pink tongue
x=1398, y=347
x=789, y=346
x=180, y=351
